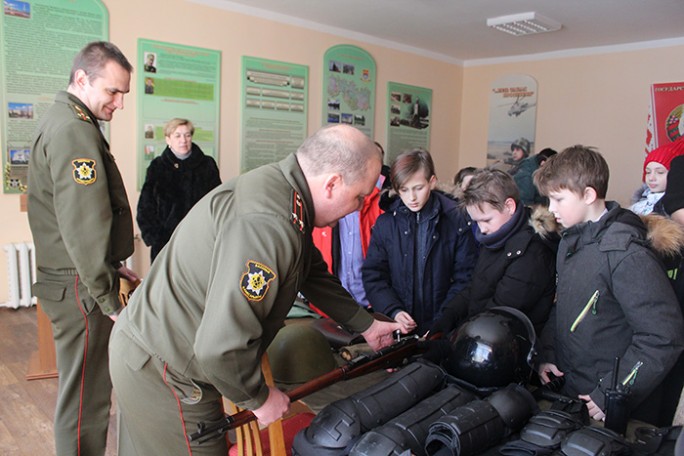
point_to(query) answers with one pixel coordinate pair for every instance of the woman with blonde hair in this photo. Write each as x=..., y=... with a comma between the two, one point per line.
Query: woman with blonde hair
x=175, y=181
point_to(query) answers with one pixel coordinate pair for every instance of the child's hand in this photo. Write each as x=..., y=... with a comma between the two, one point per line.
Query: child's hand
x=405, y=320
x=594, y=411
x=546, y=370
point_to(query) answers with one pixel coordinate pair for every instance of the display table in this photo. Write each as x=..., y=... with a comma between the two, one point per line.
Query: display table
x=43, y=362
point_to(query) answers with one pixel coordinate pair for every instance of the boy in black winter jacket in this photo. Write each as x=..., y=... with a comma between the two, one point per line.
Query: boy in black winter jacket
x=516, y=265
x=613, y=296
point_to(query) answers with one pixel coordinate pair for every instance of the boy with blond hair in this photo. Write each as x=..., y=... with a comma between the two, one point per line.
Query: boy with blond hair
x=613, y=296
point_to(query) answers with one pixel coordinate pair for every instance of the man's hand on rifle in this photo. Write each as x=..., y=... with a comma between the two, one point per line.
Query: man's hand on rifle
x=277, y=405
x=380, y=334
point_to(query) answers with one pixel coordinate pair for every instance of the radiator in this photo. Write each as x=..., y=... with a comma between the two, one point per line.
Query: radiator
x=21, y=272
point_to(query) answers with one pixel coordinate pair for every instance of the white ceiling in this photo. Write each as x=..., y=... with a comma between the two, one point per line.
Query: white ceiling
x=456, y=30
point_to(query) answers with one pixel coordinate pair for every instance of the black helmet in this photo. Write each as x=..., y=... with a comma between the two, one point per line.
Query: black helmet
x=492, y=349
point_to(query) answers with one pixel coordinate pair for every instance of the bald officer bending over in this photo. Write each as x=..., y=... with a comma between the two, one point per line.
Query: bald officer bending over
x=221, y=289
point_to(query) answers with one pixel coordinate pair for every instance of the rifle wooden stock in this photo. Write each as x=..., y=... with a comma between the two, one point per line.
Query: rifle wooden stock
x=388, y=357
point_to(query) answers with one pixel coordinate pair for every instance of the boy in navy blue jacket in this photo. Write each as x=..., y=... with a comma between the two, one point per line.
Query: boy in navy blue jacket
x=422, y=250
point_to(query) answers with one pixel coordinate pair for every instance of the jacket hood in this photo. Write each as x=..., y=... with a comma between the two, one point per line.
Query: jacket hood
x=544, y=222
x=665, y=235
x=616, y=229
x=626, y=217
x=618, y=221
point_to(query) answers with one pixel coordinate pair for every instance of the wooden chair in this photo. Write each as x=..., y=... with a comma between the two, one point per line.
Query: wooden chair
x=250, y=440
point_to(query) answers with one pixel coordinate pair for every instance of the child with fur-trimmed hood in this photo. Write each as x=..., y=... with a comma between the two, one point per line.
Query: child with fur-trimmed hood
x=516, y=264
x=666, y=238
x=613, y=298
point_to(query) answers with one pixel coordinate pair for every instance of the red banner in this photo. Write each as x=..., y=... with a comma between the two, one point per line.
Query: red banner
x=666, y=119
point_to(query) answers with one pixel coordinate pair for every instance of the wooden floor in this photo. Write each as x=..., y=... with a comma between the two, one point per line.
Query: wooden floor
x=27, y=407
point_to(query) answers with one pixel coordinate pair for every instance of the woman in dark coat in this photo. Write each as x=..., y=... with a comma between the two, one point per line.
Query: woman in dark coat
x=175, y=181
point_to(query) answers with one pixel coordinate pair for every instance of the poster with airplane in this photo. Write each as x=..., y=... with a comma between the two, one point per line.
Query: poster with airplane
x=512, y=118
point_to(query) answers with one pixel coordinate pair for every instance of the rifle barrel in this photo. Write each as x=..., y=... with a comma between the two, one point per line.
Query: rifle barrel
x=388, y=357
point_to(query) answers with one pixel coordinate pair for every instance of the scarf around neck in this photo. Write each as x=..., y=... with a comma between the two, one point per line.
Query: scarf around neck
x=497, y=239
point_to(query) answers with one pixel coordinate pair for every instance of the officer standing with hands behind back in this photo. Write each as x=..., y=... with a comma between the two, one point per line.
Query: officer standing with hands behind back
x=219, y=291
x=82, y=228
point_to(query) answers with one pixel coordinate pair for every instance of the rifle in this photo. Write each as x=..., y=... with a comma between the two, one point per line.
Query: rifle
x=388, y=357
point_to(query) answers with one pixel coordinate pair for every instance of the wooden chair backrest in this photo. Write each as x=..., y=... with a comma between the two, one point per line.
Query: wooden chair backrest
x=248, y=437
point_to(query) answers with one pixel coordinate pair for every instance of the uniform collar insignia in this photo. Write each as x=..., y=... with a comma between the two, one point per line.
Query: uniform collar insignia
x=297, y=215
x=80, y=113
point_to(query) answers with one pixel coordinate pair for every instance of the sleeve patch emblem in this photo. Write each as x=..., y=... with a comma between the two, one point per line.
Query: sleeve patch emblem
x=84, y=171
x=255, y=282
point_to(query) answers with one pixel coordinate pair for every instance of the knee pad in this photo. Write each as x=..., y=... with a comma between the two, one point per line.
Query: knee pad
x=481, y=424
x=409, y=430
x=340, y=423
x=466, y=431
x=594, y=441
x=548, y=429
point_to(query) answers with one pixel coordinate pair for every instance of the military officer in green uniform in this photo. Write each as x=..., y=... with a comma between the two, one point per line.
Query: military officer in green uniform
x=82, y=229
x=218, y=293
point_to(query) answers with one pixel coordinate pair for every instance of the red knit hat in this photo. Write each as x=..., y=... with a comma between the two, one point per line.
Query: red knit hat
x=664, y=154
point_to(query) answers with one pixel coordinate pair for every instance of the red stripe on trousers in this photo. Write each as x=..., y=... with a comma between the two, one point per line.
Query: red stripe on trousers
x=83, y=368
x=180, y=411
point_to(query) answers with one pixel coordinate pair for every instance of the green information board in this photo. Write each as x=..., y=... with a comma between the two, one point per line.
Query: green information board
x=408, y=118
x=274, y=110
x=349, y=88
x=39, y=41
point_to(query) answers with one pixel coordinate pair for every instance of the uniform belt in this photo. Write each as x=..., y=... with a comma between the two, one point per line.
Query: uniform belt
x=61, y=271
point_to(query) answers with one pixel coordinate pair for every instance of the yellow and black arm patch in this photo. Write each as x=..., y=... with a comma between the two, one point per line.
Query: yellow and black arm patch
x=255, y=282
x=84, y=172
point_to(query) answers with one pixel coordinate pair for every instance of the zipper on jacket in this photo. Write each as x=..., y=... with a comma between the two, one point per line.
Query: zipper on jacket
x=632, y=375
x=590, y=305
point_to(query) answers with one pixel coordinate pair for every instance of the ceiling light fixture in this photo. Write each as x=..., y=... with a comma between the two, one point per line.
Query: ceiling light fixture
x=524, y=24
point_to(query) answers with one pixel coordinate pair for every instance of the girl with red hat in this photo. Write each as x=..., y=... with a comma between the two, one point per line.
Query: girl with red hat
x=656, y=167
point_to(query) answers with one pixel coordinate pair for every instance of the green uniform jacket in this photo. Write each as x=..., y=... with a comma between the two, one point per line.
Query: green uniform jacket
x=77, y=205
x=220, y=290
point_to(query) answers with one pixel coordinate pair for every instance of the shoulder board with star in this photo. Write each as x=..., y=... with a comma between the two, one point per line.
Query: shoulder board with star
x=80, y=112
x=297, y=215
